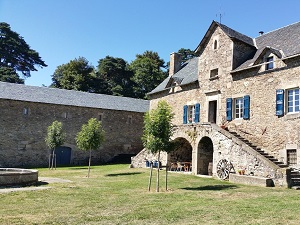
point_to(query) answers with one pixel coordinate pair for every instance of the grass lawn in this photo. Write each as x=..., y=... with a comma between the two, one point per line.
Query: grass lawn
x=116, y=194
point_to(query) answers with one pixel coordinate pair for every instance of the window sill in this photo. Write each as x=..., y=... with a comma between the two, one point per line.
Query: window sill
x=214, y=78
x=292, y=116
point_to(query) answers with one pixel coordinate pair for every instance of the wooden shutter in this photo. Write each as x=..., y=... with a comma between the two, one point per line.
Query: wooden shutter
x=185, y=112
x=279, y=102
x=246, y=110
x=197, y=113
x=229, y=109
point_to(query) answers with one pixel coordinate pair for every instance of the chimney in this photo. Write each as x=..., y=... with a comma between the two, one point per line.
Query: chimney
x=175, y=63
x=261, y=33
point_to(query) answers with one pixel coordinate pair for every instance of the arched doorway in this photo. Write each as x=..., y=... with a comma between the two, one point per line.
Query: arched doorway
x=181, y=156
x=205, y=156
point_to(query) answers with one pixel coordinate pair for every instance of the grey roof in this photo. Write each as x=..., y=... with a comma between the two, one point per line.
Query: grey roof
x=283, y=42
x=57, y=96
x=236, y=35
x=186, y=75
x=228, y=31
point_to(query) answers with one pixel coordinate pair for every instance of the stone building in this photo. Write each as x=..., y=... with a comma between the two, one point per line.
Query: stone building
x=27, y=111
x=251, y=85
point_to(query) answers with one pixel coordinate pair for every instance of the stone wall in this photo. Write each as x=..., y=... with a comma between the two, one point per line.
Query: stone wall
x=22, y=135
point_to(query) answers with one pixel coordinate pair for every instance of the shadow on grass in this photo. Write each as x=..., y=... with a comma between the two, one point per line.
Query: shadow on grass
x=122, y=174
x=211, y=188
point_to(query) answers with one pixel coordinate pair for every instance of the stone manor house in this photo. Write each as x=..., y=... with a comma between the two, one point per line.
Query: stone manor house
x=250, y=85
x=27, y=111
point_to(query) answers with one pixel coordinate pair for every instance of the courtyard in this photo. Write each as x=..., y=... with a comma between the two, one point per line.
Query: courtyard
x=116, y=194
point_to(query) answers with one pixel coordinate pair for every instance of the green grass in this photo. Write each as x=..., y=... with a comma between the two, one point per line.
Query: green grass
x=116, y=194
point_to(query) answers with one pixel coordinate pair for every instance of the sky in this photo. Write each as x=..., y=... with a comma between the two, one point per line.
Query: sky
x=62, y=30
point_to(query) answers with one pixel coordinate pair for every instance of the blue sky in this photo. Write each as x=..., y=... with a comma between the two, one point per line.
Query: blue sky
x=62, y=30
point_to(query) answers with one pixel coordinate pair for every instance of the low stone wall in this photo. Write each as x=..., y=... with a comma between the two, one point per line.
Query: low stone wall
x=15, y=176
x=139, y=161
x=251, y=180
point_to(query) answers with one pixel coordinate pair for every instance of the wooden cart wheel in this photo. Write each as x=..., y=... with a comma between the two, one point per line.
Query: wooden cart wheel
x=223, y=169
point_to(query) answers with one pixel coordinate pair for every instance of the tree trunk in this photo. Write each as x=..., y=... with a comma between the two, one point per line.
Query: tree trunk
x=166, y=176
x=158, y=167
x=53, y=151
x=150, y=178
x=90, y=158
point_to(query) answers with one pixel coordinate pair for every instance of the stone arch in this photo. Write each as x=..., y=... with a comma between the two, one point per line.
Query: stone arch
x=205, y=151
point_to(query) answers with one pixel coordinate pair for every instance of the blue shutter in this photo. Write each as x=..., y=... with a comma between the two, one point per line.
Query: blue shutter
x=229, y=109
x=185, y=111
x=246, y=110
x=280, y=102
x=197, y=113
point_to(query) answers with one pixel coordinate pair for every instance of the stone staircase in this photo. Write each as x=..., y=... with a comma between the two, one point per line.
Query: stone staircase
x=259, y=150
x=295, y=179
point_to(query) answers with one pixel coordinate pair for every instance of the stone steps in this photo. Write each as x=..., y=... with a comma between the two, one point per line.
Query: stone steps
x=259, y=150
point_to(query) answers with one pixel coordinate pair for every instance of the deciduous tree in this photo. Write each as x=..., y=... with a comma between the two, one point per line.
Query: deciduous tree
x=55, y=138
x=91, y=137
x=158, y=130
x=148, y=72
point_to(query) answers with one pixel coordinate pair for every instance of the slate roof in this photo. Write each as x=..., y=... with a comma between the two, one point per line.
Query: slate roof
x=57, y=96
x=186, y=75
x=284, y=42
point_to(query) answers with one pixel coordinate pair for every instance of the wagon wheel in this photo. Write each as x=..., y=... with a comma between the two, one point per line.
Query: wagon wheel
x=223, y=169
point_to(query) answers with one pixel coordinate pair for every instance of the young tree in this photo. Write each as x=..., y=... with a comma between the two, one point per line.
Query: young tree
x=158, y=130
x=90, y=138
x=16, y=54
x=55, y=138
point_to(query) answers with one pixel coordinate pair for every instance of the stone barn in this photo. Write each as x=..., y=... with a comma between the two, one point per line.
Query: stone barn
x=248, y=85
x=27, y=111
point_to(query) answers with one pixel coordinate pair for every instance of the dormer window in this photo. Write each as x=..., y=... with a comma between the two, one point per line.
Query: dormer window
x=215, y=44
x=270, y=63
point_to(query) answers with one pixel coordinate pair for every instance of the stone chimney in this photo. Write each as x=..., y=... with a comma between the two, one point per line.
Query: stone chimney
x=175, y=63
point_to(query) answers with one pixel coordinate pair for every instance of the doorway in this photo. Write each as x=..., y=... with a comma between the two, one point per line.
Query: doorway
x=212, y=111
x=63, y=156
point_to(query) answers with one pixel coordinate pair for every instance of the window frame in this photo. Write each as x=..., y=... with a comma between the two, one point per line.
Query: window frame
x=295, y=106
x=214, y=73
x=269, y=63
x=240, y=103
x=191, y=113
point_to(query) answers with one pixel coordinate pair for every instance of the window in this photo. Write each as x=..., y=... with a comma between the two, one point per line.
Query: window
x=291, y=157
x=25, y=111
x=129, y=119
x=215, y=44
x=100, y=117
x=270, y=63
x=291, y=96
x=191, y=113
x=293, y=100
x=238, y=107
x=214, y=73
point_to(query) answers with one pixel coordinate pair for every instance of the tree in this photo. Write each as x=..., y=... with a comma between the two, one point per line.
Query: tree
x=8, y=74
x=186, y=54
x=117, y=75
x=90, y=138
x=16, y=54
x=55, y=138
x=158, y=130
x=148, y=73
x=74, y=75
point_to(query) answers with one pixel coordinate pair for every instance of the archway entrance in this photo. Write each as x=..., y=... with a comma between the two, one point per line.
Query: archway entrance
x=181, y=158
x=205, y=156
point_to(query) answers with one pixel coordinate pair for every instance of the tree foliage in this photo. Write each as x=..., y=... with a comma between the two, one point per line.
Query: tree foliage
x=16, y=54
x=158, y=130
x=115, y=72
x=8, y=74
x=74, y=75
x=186, y=54
x=55, y=138
x=91, y=137
x=147, y=72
